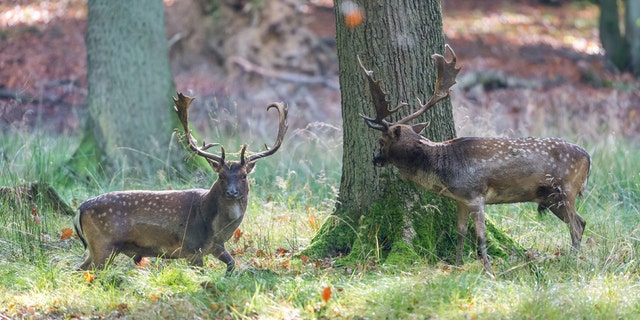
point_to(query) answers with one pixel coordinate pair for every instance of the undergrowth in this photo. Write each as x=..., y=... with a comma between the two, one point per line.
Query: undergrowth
x=292, y=193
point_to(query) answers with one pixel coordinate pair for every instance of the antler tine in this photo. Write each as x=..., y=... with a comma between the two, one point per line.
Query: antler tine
x=446, y=77
x=182, y=104
x=380, y=102
x=282, y=129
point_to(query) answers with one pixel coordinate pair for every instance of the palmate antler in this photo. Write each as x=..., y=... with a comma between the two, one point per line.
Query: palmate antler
x=182, y=104
x=446, y=77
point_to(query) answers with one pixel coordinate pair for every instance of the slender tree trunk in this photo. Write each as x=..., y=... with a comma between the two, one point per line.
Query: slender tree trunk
x=378, y=215
x=632, y=33
x=131, y=121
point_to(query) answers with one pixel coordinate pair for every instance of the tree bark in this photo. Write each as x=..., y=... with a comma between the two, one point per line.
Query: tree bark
x=131, y=120
x=632, y=34
x=377, y=215
x=614, y=43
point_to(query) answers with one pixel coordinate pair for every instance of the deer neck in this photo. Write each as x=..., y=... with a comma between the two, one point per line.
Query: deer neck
x=423, y=162
x=214, y=203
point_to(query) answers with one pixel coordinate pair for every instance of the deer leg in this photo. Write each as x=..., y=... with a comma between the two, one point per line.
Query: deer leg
x=463, y=225
x=86, y=264
x=223, y=255
x=477, y=213
x=97, y=259
x=565, y=210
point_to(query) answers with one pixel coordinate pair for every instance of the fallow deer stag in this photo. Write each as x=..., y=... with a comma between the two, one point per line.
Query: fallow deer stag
x=174, y=224
x=477, y=171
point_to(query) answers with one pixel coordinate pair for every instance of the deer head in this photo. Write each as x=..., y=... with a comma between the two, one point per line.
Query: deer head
x=393, y=132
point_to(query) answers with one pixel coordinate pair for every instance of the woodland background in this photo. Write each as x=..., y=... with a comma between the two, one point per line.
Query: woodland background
x=527, y=69
x=521, y=62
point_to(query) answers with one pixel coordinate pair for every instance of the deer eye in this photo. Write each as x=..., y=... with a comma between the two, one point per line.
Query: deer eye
x=244, y=176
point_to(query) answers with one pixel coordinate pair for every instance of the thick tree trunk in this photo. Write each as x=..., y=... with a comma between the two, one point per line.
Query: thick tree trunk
x=131, y=121
x=378, y=215
x=614, y=43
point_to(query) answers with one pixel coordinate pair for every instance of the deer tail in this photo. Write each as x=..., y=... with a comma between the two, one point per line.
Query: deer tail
x=77, y=224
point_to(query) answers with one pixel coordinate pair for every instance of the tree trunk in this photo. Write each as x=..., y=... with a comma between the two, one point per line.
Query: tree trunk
x=378, y=215
x=131, y=120
x=615, y=45
x=632, y=33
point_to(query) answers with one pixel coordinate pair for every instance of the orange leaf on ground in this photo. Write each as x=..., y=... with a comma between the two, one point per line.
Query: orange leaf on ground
x=282, y=251
x=285, y=264
x=312, y=221
x=304, y=258
x=236, y=235
x=66, y=234
x=89, y=277
x=326, y=294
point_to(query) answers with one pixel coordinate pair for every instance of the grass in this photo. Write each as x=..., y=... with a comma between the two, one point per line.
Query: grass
x=292, y=192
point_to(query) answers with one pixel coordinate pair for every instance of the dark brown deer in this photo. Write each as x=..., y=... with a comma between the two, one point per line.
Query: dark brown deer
x=478, y=171
x=173, y=224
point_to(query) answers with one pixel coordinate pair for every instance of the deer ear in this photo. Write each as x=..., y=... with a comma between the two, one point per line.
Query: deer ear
x=215, y=165
x=395, y=132
x=250, y=166
x=418, y=128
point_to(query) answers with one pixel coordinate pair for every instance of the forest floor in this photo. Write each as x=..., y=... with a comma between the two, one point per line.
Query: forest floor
x=538, y=59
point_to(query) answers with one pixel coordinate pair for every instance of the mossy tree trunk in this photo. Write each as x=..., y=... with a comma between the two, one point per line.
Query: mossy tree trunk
x=378, y=215
x=131, y=121
x=621, y=45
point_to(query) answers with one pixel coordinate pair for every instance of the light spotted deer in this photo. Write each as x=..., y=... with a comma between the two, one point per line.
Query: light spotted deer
x=174, y=224
x=478, y=171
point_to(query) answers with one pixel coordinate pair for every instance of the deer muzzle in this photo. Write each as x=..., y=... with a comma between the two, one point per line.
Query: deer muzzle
x=233, y=192
x=379, y=161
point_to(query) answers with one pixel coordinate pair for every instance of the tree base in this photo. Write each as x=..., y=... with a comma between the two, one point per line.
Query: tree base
x=391, y=233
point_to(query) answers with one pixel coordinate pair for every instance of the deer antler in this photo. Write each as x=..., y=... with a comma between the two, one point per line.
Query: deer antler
x=182, y=104
x=446, y=77
x=380, y=102
x=282, y=129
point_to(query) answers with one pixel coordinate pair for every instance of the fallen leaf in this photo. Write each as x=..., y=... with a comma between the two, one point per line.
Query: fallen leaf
x=285, y=264
x=34, y=214
x=123, y=307
x=312, y=221
x=66, y=234
x=304, y=258
x=89, y=277
x=237, y=235
x=326, y=294
x=281, y=252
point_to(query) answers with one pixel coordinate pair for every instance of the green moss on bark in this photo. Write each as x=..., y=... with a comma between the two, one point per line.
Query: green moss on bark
x=335, y=237
x=390, y=233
